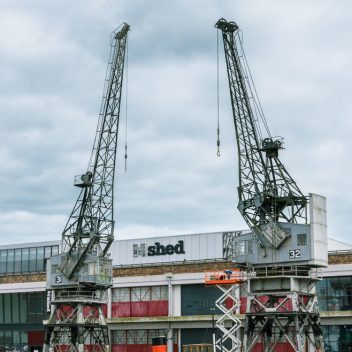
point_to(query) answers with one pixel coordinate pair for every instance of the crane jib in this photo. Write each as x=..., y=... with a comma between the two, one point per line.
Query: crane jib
x=267, y=192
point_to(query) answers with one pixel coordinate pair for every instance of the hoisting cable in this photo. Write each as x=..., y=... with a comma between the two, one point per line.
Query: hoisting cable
x=126, y=120
x=251, y=85
x=217, y=93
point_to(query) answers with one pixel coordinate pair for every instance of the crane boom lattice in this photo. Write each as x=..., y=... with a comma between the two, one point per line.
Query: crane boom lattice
x=284, y=246
x=80, y=276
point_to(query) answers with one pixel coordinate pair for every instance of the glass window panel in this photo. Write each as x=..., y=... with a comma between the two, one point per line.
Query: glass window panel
x=40, y=258
x=1, y=309
x=2, y=340
x=54, y=250
x=23, y=307
x=10, y=260
x=40, y=306
x=118, y=337
x=3, y=259
x=8, y=338
x=32, y=259
x=159, y=293
x=31, y=311
x=16, y=338
x=15, y=308
x=24, y=338
x=47, y=252
x=140, y=294
x=302, y=239
x=25, y=260
x=154, y=333
x=17, y=264
x=7, y=308
x=121, y=294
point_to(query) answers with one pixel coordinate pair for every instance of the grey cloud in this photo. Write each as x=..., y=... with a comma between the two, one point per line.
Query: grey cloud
x=52, y=67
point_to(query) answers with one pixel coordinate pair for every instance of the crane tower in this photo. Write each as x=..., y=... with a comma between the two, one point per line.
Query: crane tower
x=288, y=237
x=79, y=277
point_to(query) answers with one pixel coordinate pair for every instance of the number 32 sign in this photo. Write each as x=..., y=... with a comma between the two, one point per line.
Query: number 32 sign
x=294, y=253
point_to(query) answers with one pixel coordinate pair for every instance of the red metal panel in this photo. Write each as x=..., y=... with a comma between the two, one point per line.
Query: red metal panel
x=118, y=348
x=120, y=309
x=284, y=347
x=90, y=311
x=258, y=347
x=36, y=338
x=279, y=347
x=243, y=307
x=137, y=348
x=63, y=312
x=229, y=303
x=140, y=309
x=286, y=306
x=158, y=308
x=104, y=308
x=134, y=348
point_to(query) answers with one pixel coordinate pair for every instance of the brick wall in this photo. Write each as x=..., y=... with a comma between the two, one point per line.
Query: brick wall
x=340, y=258
x=175, y=269
x=10, y=279
x=335, y=258
x=133, y=271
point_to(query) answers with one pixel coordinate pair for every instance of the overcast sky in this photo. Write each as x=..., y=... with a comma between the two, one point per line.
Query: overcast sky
x=52, y=67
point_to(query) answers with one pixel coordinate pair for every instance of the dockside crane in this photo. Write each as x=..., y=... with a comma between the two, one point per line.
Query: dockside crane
x=288, y=238
x=79, y=277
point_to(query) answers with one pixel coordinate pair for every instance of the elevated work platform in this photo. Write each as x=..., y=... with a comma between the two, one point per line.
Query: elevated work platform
x=224, y=277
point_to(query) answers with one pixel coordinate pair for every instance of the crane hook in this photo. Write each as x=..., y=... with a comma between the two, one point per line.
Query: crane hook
x=218, y=143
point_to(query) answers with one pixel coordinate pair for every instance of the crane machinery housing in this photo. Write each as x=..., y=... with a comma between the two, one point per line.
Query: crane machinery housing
x=288, y=237
x=79, y=277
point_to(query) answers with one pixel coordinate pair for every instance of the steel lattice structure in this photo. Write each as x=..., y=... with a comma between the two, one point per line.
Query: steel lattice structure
x=281, y=306
x=267, y=193
x=91, y=222
x=80, y=276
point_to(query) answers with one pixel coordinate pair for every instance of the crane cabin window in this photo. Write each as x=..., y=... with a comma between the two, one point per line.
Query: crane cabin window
x=302, y=239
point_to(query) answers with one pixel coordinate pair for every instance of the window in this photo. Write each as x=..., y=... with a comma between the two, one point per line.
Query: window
x=139, y=294
x=17, y=266
x=40, y=259
x=302, y=239
x=1, y=309
x=25, y=260
x=7, y=308
x=10, y=260
x=121, y=294
x=54, y=250
x=159, y=293
x=335, y=293
x=23, y=310
x=32, y=259
x=240, y=248
x=3, y=257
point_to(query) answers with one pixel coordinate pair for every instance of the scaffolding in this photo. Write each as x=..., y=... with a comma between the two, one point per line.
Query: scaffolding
x=228, y=282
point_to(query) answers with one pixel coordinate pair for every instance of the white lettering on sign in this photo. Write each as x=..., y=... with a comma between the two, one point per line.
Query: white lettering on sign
x=294, y=253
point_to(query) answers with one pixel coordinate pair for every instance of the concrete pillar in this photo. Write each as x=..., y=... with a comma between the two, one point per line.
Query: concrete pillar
x=170, y=341
x=109, y=301
x=170, y=295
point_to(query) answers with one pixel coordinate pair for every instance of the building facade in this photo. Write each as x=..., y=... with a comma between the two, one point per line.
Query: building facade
x=158, y=289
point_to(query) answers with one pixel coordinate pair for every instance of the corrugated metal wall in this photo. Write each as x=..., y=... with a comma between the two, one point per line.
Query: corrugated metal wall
x=204, y=246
